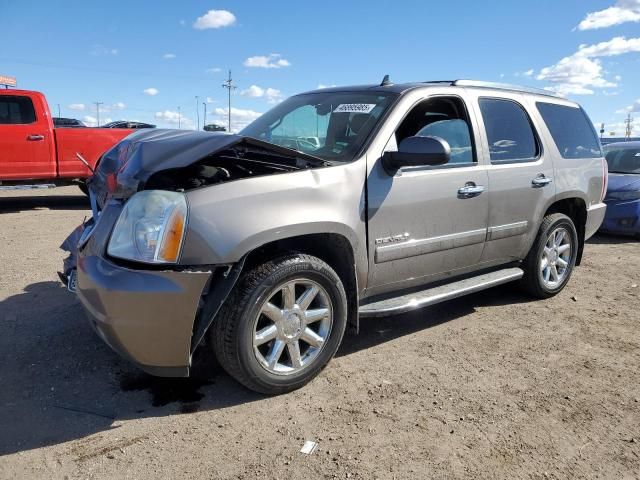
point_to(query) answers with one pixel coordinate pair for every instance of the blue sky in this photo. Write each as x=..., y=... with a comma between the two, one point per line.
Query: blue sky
x=143, y=59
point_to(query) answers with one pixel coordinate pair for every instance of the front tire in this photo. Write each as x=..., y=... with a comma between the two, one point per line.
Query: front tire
x=282, y=324
x=550, y=262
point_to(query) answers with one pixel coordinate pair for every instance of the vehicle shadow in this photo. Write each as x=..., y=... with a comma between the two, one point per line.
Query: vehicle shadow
x=611, y=239
x=15, y=204
x=60, y=382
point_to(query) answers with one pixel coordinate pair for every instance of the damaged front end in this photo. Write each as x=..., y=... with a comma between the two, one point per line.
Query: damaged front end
x=152, y=311
x=177, y=160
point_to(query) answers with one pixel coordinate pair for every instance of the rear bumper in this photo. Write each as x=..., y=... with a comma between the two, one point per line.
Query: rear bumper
x=622, y=217
x=595, y=216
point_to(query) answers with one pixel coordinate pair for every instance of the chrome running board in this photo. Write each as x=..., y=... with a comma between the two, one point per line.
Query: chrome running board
x=431, y=296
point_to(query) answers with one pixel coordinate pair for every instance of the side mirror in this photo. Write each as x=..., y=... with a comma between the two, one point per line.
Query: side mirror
x=415, y=152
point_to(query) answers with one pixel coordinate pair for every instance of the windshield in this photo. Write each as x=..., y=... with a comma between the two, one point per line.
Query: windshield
x=623, y=160
x=331, y=125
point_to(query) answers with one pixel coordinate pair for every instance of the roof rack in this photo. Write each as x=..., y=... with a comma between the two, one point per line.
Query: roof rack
x=504, y=86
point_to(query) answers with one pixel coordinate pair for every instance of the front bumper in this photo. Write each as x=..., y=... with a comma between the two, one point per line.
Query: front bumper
x=147, y=316
x=623, y=216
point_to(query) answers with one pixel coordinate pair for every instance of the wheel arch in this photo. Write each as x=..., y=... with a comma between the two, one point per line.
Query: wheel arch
x=332, y=248
x=576, y=209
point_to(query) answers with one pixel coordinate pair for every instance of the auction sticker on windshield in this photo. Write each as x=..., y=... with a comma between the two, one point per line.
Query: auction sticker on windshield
x=354, y=108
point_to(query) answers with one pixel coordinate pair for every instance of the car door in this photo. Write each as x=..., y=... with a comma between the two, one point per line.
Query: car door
x=425, y=223
x=520, y=174
x=25, y=140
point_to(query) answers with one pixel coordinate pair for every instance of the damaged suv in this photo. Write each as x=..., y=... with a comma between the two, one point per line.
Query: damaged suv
x=337, y=204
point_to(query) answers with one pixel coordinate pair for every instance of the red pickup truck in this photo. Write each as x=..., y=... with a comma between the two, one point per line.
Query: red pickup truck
x=34, y=154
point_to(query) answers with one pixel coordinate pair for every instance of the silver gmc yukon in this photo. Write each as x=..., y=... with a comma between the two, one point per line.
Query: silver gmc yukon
x=336, y=205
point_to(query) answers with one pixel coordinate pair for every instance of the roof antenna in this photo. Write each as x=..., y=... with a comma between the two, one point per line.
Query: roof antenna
x=386, y=82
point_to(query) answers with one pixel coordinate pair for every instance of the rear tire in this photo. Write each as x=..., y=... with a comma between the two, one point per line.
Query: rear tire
x=550, y=262
x=281, y=325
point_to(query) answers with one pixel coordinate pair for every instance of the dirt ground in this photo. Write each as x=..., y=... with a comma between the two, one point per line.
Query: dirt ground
x=489, y=386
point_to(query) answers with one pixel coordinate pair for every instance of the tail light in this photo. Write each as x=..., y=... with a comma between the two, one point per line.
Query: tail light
x=605, y=179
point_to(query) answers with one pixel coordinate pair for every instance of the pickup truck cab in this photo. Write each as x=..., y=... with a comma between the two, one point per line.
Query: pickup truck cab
x=34, y=152
x=411, y=195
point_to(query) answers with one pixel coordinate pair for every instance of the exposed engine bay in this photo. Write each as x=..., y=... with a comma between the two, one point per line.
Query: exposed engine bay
x=232, y=164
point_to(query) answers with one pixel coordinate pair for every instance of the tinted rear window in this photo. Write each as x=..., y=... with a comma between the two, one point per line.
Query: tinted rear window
x=571, y=130
x=508, y=130
x=16, y=110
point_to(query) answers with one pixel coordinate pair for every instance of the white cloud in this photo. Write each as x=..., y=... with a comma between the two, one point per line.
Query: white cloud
x=215, y=19
x=253, y=91
x=92, y=121
x=169, y=56
x=322, y=85
x=273, y=60
x=211, y=100
x=174, y=119
x=633, y=108
x=151, y=91
x=183, y=22
x=528, y=73
x=273, y=95
x=579, y=73
x=240, y=118
x=77, y=106
x=213, y=70
x=118, y=106
x=101, y=50
x=622, y=12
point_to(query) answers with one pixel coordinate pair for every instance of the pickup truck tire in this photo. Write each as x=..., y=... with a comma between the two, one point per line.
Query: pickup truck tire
x=550, y=262
x=83, y=188
x=281, y=324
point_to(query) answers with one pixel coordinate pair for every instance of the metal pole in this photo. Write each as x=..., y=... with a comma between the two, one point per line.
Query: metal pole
x=98, y=112
x=228, y=84
x=198, y=111
x=59, y=111
x=178, y=118
x=204, y=120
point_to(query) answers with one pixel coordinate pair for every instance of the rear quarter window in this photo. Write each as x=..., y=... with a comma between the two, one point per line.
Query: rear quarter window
x=16, y=110
x=571, y=130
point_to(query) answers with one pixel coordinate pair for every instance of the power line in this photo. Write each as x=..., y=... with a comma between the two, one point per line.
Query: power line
x=629, y=127
x=97, y=104
x=198, y=111
x=229, y=85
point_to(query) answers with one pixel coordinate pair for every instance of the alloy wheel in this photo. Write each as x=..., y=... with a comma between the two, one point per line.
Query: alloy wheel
x=556, y=258
x=292, y=326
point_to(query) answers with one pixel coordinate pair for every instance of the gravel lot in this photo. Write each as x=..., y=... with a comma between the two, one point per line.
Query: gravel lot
x=489, y=386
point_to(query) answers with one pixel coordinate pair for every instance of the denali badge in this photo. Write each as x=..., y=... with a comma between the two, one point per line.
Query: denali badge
x=403, y=237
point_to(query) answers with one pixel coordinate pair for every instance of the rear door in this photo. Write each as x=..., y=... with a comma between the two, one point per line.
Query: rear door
x=520, y=173
x=422, y=227
x=25, y=140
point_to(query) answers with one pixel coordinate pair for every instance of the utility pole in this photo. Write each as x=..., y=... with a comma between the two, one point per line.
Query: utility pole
x=601, y=130
x=59, y=111
x=178, y=118
x=204, y=120
x=627, y=134
x=198, y=111
x=98, y=112
x=229, y=85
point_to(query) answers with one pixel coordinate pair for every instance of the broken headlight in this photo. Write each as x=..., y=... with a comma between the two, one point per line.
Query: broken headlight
x=150, y=228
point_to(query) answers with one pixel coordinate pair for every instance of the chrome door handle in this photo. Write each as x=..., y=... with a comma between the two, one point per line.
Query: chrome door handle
x=470, y=190
x=540, y=181
x=35, y=138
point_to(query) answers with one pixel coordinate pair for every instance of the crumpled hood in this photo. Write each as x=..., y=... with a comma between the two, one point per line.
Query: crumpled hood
x=123, y=170
x=619, y=182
